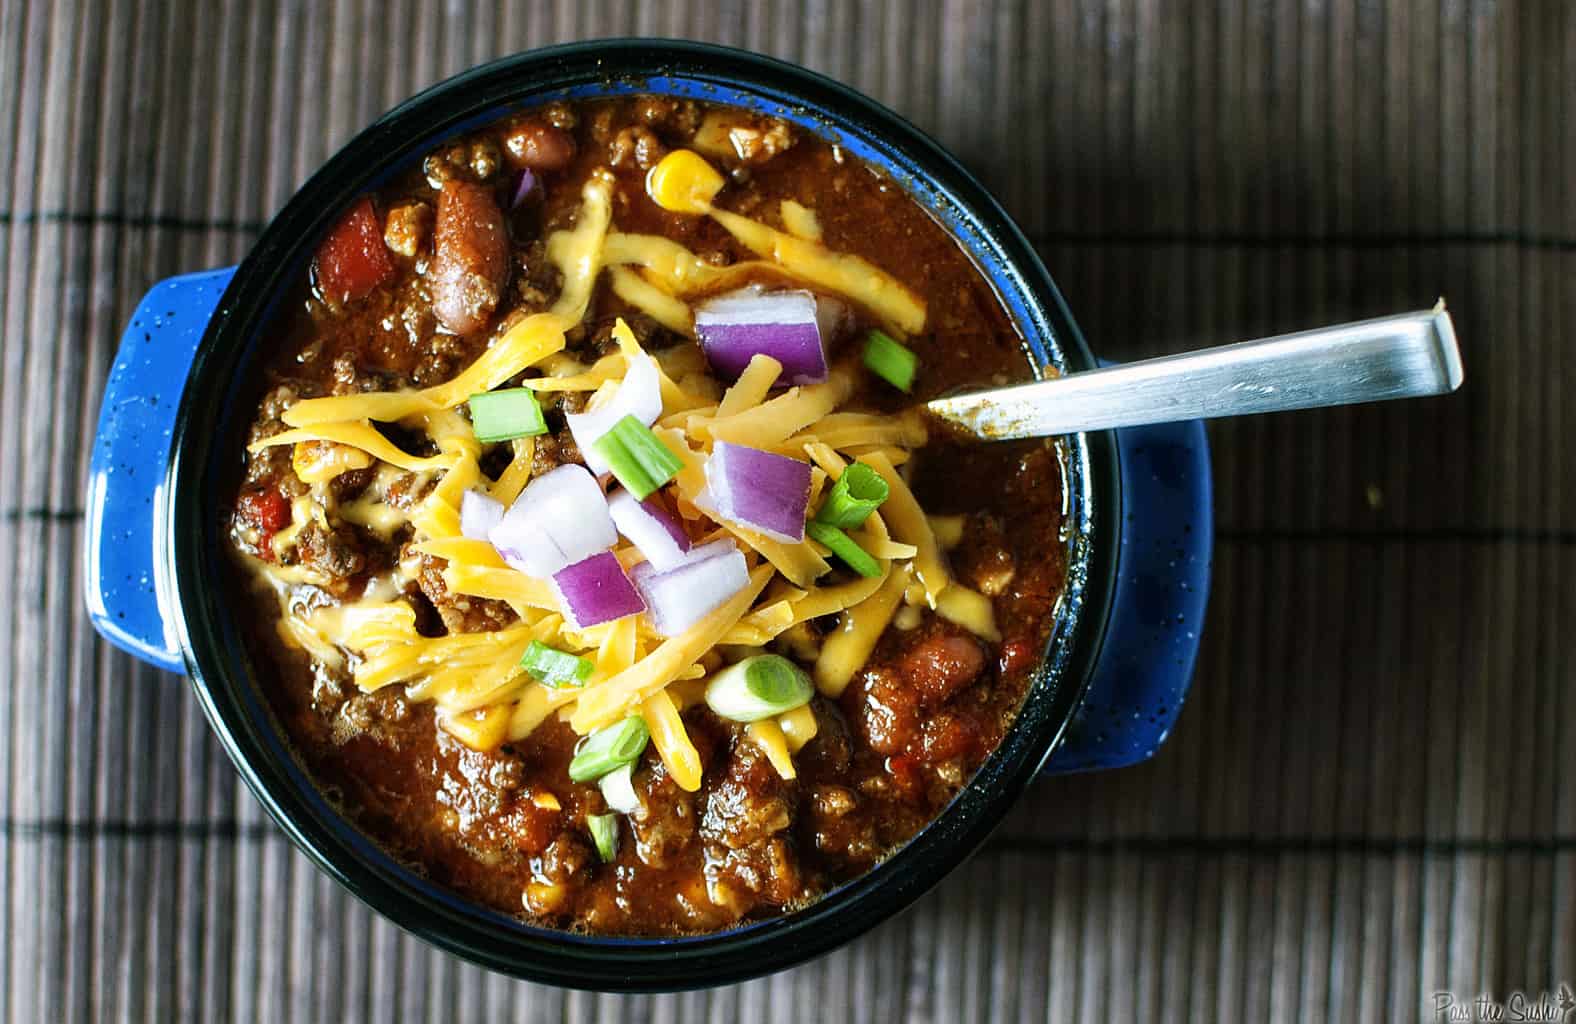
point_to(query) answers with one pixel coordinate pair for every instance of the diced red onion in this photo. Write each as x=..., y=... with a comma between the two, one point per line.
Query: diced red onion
x=834, y=317
x=651, y=528
x=561, y=518
x=639, y=395
x=479, y=513
x=783, y=325
x=680, y=597
x=759, y=490
x=595, y=590
x=526, y=186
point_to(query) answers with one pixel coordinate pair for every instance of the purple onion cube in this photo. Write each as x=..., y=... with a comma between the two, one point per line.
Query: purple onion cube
x=784, y=325
x=596, y=590
x=759, y=490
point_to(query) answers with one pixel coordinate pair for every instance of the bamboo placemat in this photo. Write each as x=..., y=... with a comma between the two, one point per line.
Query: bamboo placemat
x=1368, y=798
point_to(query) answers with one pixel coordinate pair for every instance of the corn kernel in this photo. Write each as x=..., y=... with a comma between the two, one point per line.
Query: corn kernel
x=683, y=182
x=317, y=461
x=542, y=898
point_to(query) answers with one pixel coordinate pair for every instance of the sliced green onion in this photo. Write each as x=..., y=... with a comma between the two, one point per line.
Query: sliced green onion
x=604, y=832
x=844, y=547
x=552, y=667
x=758, y=687
x=637, y=457
x=618, y=789
x=506, y=415
x=857, y=493
x=890, y=361
x=606, y=749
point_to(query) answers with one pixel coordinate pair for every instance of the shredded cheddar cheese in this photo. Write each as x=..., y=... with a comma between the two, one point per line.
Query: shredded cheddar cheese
x=651, y=300
x=482, y=695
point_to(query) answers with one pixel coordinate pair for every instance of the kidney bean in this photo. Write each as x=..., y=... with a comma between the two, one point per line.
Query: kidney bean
x=471, y=262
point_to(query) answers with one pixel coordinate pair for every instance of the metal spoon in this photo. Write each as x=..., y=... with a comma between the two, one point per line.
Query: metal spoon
x=1401, y=356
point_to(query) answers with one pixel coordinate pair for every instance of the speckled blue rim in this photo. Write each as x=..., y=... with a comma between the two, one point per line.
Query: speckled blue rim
x=212, y=419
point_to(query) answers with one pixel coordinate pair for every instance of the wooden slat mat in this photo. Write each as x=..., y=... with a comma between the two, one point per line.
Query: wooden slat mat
x=1368, y=797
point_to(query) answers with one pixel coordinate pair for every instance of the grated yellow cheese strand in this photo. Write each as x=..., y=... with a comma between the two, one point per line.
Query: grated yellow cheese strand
x=358, y=434
x=381, y=518
x=848, y=275
x=662, y=719
x=845, y=430
x=462, y=550
x=768, y=735
x=800, y=563
x=686, y=397
x=771, y=423
x=447, y=662
x=883, y=548
x=516, y=474
x=969, y=609
x=666, y=310
x=524, y=344
x=519, y=590
x=909, y=525
x=535, y=704
x=604, y=704
x=381, y=406
x=678, y=269
x=818, y=480
x=317, y=463
x=800, y=221
x=568, y=375
x=948, y=529
x=847, y=648
x=691, y=480
x=687, y=693
x=299, y=633
x=578, y=251
x=824, y=456
x=482, y=729
x=620, y=648
x=450, y=431
x=797, y=606
x=896, y=456
x=439, y=513
x=370, y=623
x=459, y=688
x=682, y=361
x=761, y=625
x=831, y=600
x=752, y=387
x=799, y=727
x=465, y=474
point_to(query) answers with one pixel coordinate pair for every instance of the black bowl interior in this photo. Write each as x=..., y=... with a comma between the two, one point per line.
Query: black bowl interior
x=222, y=387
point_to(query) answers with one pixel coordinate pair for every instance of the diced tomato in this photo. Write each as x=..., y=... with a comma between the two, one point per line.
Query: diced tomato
x=353, y=259
x=906, y=776
x=266, y=511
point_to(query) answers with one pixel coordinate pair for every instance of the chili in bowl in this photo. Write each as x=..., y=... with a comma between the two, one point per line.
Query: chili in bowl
x=551, y=538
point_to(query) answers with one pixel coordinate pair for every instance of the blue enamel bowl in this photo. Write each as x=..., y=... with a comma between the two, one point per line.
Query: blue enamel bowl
x=177, y=405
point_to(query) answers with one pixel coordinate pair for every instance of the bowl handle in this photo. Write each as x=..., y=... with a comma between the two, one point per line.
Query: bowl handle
x=1157, y=609
x=131, y=452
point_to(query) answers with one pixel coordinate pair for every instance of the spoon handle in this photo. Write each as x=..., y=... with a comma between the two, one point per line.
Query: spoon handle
x=1402, y=356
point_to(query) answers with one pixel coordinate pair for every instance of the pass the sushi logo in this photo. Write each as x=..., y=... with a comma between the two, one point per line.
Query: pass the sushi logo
x=1544, y=1007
